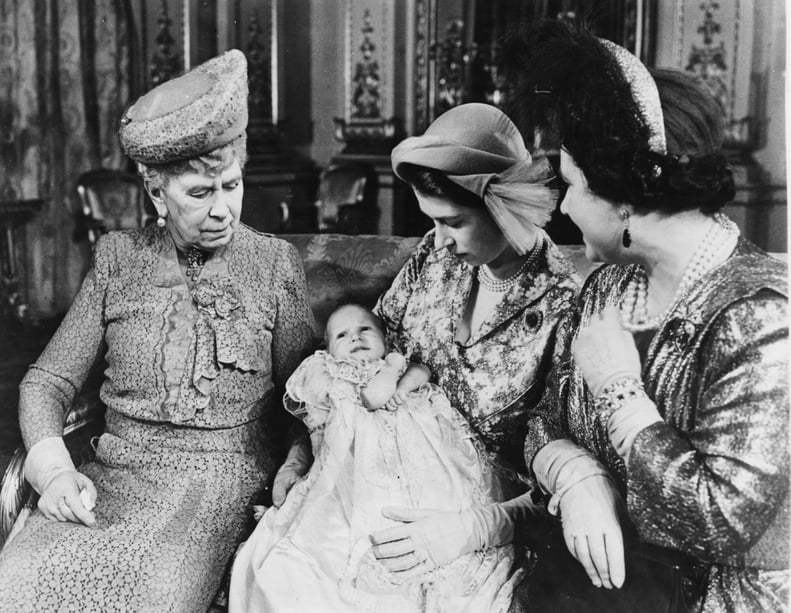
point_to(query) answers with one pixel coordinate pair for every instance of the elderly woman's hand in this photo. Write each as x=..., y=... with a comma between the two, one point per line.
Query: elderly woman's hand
x=70, y=496
x=604, y=351
x=293, y=469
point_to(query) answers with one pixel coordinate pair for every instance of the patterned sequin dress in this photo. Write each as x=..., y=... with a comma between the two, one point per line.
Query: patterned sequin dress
x=192, y=428
x=496, y=376
x=712, y=480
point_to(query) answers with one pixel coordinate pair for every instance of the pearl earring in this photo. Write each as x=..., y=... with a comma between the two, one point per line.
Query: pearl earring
x=626, y=238
x=161, y=221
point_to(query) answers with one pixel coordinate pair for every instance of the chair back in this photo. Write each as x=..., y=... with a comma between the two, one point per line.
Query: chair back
x=112, y=199
x=346, y=201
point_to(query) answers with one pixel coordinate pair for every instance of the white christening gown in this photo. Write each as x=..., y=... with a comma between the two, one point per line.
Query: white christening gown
x=313, y=554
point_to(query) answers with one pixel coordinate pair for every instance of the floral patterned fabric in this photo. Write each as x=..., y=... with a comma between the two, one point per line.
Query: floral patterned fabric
x=341, y=268
x=496, y=377
x=193, y=430
x=712, y=479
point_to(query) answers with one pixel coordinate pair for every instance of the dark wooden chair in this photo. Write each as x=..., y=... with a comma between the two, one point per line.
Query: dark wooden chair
x=346, y=202
x=112, y=199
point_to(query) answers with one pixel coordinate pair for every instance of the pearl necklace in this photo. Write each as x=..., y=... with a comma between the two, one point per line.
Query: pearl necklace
x=498, y=286
x=719, y=240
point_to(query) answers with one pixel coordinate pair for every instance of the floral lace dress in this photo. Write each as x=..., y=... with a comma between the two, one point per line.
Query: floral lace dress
x=192, y=429
x=314, y=553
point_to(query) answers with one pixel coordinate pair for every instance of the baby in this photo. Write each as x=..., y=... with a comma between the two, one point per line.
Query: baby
x=355, y=333
x=314, y=552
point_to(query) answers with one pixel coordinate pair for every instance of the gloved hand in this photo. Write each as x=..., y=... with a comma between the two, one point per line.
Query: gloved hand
x=428, y=538
x=293, y=469
x=590, y=508
x=66, y=495
x=605, y=351
x=431, y=538
x=69, y=496
x=626, y=423
x=590, y=512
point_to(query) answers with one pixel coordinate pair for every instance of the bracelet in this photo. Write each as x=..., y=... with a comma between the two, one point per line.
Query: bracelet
x=611, y=379
x=617, y=394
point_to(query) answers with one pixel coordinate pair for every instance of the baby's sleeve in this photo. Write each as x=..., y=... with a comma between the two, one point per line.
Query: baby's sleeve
x=307, y=391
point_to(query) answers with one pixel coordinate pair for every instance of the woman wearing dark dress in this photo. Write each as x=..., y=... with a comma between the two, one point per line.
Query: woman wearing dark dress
x=663, y=436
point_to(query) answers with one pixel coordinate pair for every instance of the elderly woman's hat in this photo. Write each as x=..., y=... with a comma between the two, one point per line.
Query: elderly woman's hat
x=190, y=115
x=477, y=147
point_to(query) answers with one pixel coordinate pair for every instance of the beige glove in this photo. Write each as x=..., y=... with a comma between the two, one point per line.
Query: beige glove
x=590, y=508
x=66, y=495
x=626, y=423
x=293, y=469
x=430, y=538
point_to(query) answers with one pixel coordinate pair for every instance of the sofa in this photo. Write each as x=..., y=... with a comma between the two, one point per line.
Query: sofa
x=339, y=268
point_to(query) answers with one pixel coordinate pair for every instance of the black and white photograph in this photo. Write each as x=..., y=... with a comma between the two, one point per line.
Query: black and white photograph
x=394, y=306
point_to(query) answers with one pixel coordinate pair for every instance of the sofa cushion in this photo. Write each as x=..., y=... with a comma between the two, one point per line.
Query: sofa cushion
x=343, y=268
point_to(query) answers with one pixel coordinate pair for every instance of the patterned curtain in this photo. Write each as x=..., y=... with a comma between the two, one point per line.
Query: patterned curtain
x=65, y=78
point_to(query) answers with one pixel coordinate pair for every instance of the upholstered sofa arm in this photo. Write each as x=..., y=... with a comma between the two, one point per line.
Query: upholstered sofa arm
x=84, y=421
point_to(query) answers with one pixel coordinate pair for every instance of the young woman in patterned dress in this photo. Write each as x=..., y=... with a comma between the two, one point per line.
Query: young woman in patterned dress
x=203, y=320
x=477, y=303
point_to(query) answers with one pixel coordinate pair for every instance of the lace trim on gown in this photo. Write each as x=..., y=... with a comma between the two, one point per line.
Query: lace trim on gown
x=405, y=457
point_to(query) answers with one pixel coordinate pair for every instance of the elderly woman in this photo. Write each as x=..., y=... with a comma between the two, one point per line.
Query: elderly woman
x=670, y=388
x=203, y=319
x=478, y=303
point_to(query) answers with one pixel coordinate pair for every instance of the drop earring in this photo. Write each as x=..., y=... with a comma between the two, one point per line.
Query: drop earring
x=626, y=237
x=161, y=221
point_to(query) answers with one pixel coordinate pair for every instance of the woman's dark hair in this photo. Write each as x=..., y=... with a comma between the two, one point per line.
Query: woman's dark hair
x=572, y=87
x=433, y=182
x=696, y=174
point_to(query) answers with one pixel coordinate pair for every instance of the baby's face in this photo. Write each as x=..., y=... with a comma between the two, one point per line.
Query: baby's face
x=353, y=333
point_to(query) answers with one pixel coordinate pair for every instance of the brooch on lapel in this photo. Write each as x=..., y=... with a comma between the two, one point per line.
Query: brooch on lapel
x=533, y=319
x=681, y=332
x=217, y=299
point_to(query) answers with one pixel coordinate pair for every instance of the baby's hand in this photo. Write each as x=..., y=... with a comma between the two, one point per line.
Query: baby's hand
x=397, y=400
x=395, y=360
x=382, y=385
